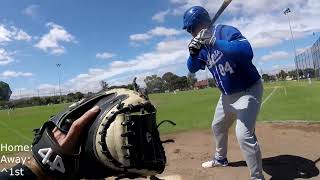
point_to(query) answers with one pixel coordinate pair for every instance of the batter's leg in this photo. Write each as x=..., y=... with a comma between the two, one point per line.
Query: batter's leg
x=220, y=126
x=245, y=132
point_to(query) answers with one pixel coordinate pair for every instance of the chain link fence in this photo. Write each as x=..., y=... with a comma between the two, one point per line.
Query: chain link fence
x=308, y=62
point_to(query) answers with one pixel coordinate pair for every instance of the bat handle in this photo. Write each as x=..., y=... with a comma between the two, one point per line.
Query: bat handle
x=194, y=51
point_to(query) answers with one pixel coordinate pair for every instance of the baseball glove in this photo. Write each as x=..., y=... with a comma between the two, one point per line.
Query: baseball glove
x=123, y=141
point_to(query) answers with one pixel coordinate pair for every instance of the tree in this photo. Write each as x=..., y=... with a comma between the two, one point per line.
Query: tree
x=5, y=91
x=169, y=79
x=191, y=79
x=104, y=85
x=282, y=75
x=78, y=96
x=212, y=82
x=265, y=77
x=293, y=74
x=181, y=83
x=154, y=83
x=311, y=72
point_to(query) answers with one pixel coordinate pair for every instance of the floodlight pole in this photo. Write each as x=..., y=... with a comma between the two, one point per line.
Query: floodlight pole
x=286, y=12
x=59, y=66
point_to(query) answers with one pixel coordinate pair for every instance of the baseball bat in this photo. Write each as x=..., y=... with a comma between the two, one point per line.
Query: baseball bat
x=220, y=11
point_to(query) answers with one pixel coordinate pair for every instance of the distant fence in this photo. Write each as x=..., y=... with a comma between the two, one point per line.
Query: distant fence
x=39, y=93
x=308, y=62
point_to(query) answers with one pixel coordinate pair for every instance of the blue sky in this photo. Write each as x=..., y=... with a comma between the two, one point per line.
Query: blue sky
x=117, y=40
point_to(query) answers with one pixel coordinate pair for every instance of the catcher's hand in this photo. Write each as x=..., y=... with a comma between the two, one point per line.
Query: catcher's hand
x=122, y=141
x=68, y=143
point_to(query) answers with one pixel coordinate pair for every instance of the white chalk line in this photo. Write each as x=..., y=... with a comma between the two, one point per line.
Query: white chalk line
x=284, y=90
x=269, y=96
x=5, y=125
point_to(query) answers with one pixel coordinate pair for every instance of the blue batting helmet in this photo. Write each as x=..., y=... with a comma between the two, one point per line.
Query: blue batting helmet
x=195, y=16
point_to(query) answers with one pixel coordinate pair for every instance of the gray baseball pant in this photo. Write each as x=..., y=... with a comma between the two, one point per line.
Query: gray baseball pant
x=245, y=105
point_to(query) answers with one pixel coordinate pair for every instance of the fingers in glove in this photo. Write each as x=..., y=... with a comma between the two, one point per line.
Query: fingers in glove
x=78, y=125
x=69, y=142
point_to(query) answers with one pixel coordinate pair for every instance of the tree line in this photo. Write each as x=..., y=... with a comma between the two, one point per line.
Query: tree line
x=282, y=75
x=169, y=82
x=154, y=84
x=6, y=103
x=38, y=101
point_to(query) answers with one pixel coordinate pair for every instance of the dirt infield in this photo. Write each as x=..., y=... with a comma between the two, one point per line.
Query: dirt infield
x=290, y=151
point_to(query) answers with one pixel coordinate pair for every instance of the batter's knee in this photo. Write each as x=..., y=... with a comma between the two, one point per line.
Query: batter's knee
x=218, y=126
x=245, y=137
x=243, y=134
x=240, y=134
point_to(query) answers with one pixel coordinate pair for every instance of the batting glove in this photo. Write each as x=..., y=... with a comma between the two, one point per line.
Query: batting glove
x=204, y=37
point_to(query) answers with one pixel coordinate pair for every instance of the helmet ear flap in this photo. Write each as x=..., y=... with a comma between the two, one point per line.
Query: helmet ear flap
x=189, y=29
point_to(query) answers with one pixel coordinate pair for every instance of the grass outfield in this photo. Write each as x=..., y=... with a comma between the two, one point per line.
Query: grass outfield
x=189, y=109
x=16, y=127
x=282, y=101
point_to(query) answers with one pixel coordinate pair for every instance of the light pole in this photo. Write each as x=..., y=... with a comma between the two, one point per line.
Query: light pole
x=286, y=12
x=59, y=66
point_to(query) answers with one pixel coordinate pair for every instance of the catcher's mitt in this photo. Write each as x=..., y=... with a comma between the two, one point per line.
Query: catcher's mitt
x=123, y=140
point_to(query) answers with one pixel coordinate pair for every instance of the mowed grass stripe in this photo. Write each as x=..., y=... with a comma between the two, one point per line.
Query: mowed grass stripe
x=189, y=109
x=24, y=120
x=293, y=101
x=269, y=96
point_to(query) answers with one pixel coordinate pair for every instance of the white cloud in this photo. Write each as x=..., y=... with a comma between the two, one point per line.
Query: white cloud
x=5, y=57
x=22, y=36
x=278, y=55
x=261, y=35
x=12, y=33
x=160, y=16
x=51, y=42
x=14, y=74
x=203, y=75
x=105, y=55
x=183, y=5
x=276, y=68
x=31, y=10
x=47, y=87
x=163, y=57
x=5, y=35
x=303, y=49
x=172, y=45
x=163, y=31
x=263, y=22
x=140, y=37
x=41, y=90
x=157, y=31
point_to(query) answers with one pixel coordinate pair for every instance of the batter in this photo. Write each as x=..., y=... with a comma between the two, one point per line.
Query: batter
x=228, y=56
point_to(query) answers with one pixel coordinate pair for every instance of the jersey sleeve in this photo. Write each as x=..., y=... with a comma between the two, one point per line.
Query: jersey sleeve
x=230, y=40
x=238, y=49
x=198, y=62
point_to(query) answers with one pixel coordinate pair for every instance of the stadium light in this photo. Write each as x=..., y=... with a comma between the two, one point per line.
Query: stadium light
x=59, y=67
x=286, y=12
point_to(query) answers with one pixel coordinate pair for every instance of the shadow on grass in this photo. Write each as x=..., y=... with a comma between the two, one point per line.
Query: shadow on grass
x=286, y=167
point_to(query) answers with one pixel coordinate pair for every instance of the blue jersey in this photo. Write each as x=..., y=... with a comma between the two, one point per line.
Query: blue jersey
x=229, y=60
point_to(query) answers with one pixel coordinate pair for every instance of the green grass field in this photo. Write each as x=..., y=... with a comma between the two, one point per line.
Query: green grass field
x=189, y=109
x=195, y=109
